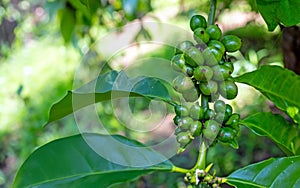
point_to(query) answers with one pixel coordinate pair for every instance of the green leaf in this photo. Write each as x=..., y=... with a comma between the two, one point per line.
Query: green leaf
x=67, y=23
x=276, y=128
x=109, y=86
x=271, y=173
x=71, y=162
x=285, y=12
x=280, y=85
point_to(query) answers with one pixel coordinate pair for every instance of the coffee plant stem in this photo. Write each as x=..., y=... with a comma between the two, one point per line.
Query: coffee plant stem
x=180, y=170
x=212, y=12
x=201, y=161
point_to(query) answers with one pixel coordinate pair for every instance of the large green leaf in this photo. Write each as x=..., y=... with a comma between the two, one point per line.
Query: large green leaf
x=71, y=162
x=109, y=86
x=271, y=173
x=276, y=128
x=280, y=85
x=274, y=12
x=67, y=23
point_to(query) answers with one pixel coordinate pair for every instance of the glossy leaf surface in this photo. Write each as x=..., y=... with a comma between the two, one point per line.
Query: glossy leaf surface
x=71, y=162
x=280, y=85
x=277, y=129
x=274, y=12
x=109, y=86
x=271, y=173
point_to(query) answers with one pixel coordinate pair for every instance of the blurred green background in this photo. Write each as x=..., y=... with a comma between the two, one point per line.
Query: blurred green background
x=42, y=44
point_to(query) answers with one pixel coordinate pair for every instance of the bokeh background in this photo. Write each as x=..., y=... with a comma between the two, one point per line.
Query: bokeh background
x=42, y=43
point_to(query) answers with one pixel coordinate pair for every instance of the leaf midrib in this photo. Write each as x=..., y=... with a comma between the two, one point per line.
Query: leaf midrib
x=98, y=173
x=262, y=89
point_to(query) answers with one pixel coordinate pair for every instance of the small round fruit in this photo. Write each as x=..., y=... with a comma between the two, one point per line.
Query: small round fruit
x=209, y=114
x=182, y=83
x=216, y=53
x=230, y=66
x=226, y=134
x=221, y=117
x=228, y=89
x=185, y=123
x=230, y=78
x=221, y=72
x=190, y=95
x=214, y=32
x=232, y=43
x=217, y=44
x=201, y=36
x=189, y=71
x=211, y=129
x=196, y=112
x=213, y=97
x=181, y=111
x=183, y=46
x=233, y=120
x=208, y=87
x=228, y=110
x=176, y=119
x=183, y=138
x=209, y=58
x=203, y=73
x=177, y=130
x=220, y=106
x=197, y=21
x=194, y=57
x=178, y=62
x=195, y=128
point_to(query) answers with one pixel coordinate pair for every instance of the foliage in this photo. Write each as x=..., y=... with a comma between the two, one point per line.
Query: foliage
x=77, y=19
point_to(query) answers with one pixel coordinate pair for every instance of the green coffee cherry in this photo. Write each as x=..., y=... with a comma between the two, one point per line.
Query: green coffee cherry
x=181, y=111
x=214, y=32
x=183, y=46
x=217, y=44
x=196, y=112
x=190, y=95
x=211, y=129
x=220, y=106
x=200, y=35
x=203, y=73
x=228, y=89
x=185, y=123
x=209, y=58
x=213, y=97
x=183, y=138
x=195, y=128
x=230, y=78
x=228, y=110
x=194, y=57
x=197, y=21
x=178, y=62
x=208, y=87
x=226, y=134
x=221, y=117
x=209, y=114
x=182, y=83
x=230, y=66
x=221, y=72
x=232, y=43
x=216, y=53
x=176, y=119
x=177, y=130
x=189, y=71
x=233, y=120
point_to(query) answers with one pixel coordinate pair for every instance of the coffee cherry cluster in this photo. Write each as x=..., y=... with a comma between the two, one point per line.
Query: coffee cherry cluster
x=217, y=124
x=207, y=74
x=206, y=67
